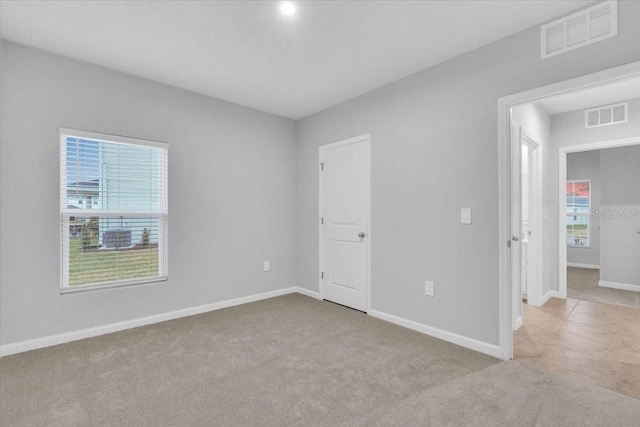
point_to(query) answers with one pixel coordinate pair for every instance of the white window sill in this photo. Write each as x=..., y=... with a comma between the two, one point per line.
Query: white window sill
x=578, y=247
x=103, y=286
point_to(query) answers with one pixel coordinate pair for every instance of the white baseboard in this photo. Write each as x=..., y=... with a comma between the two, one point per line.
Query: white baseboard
x=518, y=323
x=473, y=344
x=548, y=296
x=578, y=265
x=308, y=292
x=623, y=286
x=22, y=346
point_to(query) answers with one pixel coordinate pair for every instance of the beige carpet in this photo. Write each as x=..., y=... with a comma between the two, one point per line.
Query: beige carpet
x=582, y=283
x=290, y=360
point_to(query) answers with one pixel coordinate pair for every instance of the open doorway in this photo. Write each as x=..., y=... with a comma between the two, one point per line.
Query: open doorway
x=603, y=247
x=602, y=259
x=571, y=336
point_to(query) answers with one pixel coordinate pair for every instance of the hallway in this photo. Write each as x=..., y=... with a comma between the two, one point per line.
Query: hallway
x=585, y=341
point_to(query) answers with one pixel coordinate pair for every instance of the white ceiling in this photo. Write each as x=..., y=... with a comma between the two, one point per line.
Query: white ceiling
x=247, y=52
x=594, y=97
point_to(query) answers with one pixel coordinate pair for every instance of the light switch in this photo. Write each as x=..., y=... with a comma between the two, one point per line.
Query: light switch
x=428, y=288
x=465, y=216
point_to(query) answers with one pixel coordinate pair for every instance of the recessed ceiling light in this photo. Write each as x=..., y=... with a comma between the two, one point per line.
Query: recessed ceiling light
x=287, y=8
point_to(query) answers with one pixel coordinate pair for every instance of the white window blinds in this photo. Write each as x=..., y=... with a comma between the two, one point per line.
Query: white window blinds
x=113, y=203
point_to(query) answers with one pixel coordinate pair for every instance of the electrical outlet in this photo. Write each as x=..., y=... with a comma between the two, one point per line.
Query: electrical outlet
x=429, y=288
x=267, y=266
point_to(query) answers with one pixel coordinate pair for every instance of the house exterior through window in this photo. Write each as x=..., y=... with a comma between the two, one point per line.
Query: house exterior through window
x=578, y=212
x=113, y=210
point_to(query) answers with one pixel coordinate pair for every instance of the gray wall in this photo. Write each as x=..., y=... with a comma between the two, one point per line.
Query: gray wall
x=586, y=165
x=620, y=251
x=434, y=150
x=621, y=175
x=568, y=129
x=231, y=193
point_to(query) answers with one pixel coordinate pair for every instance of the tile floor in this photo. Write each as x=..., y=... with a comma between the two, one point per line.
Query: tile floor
x=586, y=341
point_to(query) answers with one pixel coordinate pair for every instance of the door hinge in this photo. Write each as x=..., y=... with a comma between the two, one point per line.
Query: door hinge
x=321, y=166
x=322, y=220
x=509, y=243
x=322, y=275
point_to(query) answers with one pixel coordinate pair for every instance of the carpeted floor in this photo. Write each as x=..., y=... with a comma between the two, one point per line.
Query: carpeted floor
x=582, y=283
x=290, y=360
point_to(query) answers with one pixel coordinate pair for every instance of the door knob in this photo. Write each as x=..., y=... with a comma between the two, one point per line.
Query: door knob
x=361, y=235
x=515, y=239
x=638, y=231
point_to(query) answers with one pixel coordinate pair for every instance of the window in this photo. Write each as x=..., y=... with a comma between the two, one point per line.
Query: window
x=578, y=212
x=113, y=206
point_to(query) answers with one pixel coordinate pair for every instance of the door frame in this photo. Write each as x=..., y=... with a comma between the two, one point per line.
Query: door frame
x=631, y=70
x=562, y=200
x=366, y=139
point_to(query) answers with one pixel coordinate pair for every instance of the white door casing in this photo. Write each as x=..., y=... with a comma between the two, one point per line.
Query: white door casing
x=344, y=223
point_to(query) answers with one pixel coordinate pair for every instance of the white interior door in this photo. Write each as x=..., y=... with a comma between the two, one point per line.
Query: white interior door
x=344, y=222
x=526, y=217
x=516, y=226
x=532, y=232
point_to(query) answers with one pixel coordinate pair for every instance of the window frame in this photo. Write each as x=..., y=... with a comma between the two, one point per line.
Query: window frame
x=574, y=214
x=65, y=213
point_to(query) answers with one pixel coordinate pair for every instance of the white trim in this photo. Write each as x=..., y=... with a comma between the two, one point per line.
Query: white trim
x=518, y=323
x=611, y=75
x=548, y=296
x=578, y=265
x=366, y=138
x=504, y=229
x=470, y=343
x=601, y=145
x=34, y=344
x=623, y=286
x=105, y=137
x=74, y=289
x=562, y=224
x=22, y=346
x=562, y=201
x=308, y=292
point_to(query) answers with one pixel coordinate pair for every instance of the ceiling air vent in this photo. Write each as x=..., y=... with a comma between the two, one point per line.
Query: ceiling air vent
x=609, y=115
x=588, y=26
